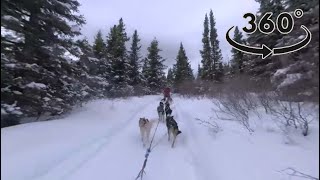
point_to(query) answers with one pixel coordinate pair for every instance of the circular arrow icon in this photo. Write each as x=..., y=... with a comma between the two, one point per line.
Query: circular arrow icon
x=294, y=47
x=265, y=51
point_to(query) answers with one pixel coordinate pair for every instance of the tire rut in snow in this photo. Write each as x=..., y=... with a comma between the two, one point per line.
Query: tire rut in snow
x=91, y=148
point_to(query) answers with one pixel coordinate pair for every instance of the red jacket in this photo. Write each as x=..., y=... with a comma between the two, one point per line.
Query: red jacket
x=166, y=92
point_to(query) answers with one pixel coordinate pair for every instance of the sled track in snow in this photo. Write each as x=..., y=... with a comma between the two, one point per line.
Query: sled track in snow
x=96, y=144
x=196, y=149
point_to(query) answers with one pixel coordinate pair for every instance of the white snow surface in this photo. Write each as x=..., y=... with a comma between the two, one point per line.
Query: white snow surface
x=36, y=85
x=102, y=141
x=281, y=71
x=290, y=79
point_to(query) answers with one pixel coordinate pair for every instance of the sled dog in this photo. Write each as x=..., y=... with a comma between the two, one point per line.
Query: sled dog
x=168, y=110
x=161, y=113
x=173, y=129
x=145, y=126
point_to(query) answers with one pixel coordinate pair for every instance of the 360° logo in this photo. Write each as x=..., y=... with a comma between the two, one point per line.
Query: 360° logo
x=267, y=26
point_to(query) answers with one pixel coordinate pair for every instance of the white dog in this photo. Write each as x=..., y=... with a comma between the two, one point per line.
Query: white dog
x=145, y=126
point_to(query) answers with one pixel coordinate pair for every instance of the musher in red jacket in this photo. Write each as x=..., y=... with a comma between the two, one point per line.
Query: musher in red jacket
x=166, y=93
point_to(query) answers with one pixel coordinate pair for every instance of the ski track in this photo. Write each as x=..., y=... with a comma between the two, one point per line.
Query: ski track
x=77, y=157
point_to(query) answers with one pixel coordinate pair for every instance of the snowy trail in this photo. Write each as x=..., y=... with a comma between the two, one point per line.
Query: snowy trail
x=86, y=152
x=102, y=141
x=163, y=161
x=62, y=150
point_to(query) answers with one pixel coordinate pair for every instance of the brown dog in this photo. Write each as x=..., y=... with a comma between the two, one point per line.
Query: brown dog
x=145, y=126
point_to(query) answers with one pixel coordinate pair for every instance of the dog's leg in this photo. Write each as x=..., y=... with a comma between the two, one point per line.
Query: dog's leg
x=168, y=134
x=160, y=118
x=148, y=135
x=143, y=136
x=174, y=140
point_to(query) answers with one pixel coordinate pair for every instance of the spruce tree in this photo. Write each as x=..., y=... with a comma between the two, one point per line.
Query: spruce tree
x=256, y=66
x=154, y=75
x=183, y=69
x=277, y=69
x=199, y=72
x=134, y=60
x=215, y=50
x=304, y=5
x=145, y=68
x=237, y=56
x=42, y=32
x=111, y=41
x=99, y=46
x=95, y=84
x=119, y=65
x=206, y=60
x=170, y=78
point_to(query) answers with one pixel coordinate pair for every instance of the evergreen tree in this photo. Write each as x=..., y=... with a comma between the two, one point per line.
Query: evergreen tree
x=228, y=71
x=303, y=62
x=215, y=50
x=304, y=5
x=237, y=56
x=199, y=72
x=93, y=72
x=256, y=66
x=122, y=38
x=118, y=57
x=134, y=60
x=154, y=75
x=145, y=76
x=206, y=60
x=170, y=78
x=220, y=72
x=91, y=84
x=99, y=46
x=36, y=47
x=183, y=69
x=48, y=24
x=145, y=68
x=112, y=41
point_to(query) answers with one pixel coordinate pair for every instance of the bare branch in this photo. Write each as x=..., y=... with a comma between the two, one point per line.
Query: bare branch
x=212, y=125
x=292, y=172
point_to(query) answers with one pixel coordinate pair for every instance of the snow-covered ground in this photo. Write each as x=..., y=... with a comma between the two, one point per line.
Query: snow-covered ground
x=102, y=141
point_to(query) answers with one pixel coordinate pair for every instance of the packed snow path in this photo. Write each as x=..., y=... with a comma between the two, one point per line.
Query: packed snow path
x=102, y=141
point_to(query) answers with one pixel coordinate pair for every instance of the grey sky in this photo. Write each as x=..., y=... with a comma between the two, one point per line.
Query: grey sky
x=170, y=21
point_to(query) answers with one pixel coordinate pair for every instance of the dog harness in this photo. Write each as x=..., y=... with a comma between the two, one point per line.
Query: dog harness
x=168, y=109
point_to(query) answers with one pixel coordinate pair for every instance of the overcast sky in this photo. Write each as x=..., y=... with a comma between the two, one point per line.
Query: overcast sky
x=170, y=21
